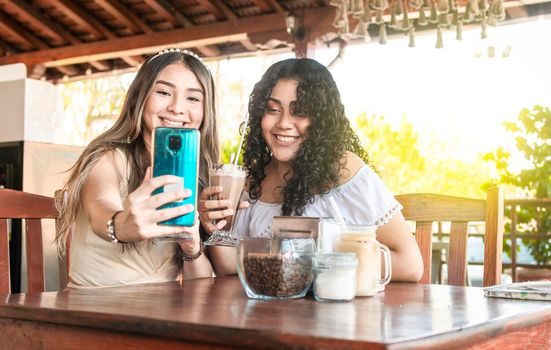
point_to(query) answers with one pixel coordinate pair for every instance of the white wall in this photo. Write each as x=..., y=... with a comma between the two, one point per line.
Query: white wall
x=12, y=110
x=30, y=110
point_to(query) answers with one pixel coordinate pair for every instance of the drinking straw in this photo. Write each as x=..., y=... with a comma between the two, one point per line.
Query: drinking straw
x=240, y=141
x=335, y=210
x=232, y=157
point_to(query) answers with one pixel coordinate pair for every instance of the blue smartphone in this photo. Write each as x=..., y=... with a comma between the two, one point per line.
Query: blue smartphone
x=176, y=152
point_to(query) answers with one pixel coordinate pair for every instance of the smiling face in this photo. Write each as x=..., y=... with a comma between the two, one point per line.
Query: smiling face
x=282, y=130
x=176, y=100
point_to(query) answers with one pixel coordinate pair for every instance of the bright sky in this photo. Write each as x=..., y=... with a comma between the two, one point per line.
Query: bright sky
x=458, y=92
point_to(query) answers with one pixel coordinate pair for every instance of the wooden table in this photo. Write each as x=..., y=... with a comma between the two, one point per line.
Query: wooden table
x=216, y=312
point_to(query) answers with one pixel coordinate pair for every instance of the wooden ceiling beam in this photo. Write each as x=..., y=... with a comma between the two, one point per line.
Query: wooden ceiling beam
x=248, y=45
x=29, y=13
x=169, y=13
x=225, y=9
x=213, y=10
x=262, y=5
x=76, y=14
x=318, y=23
x=182, y=37
x=173, y=15
x=218, y=9
x=68, y=70
x=148, y=43
x=26, y=36
x=124, y=15
x=275, y=5
x=51, y=28
x=209, y=51
x=74, y=11
x=268, y=38
x=20, y=32
x=99, y=65
x=132, y=61
x=7, y=48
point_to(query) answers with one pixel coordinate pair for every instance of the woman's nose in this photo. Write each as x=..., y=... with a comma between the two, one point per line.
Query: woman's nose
x=286, y=120
x=177, y=105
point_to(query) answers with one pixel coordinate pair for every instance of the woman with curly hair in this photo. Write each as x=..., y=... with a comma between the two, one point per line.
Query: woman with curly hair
x=301, y=154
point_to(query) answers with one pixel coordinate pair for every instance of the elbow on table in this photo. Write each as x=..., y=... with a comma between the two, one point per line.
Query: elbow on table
x=222, y=272
x=410, y=270
x=409, y=275
x=415, y=274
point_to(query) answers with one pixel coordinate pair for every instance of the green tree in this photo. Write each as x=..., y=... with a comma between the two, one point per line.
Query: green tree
x=408, y=167
x=532, y=132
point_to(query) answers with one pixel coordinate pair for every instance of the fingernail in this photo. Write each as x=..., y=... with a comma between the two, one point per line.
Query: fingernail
x=186, y=192
x=189, y=207
x=219, y=188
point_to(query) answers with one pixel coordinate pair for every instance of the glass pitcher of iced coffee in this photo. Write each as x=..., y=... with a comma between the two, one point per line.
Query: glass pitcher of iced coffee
x=361, y=240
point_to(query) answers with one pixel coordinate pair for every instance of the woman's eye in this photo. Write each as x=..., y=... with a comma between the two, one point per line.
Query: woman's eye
x=194, y=99
x=163, y=92
x=273, y=110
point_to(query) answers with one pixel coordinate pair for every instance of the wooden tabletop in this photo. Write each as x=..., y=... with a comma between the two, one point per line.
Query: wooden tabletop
x=216, y=312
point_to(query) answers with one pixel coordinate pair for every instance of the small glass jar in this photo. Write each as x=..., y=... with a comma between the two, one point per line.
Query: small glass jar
x=362, y=240
x=335, y=276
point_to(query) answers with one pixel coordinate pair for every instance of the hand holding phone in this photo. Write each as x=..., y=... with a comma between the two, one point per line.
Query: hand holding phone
x=176, y=152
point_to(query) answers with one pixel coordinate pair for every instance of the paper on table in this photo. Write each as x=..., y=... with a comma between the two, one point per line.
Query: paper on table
x=536, y=290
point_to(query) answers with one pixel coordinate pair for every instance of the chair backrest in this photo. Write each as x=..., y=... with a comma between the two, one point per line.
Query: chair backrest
x=33, y=208
x=425, y=209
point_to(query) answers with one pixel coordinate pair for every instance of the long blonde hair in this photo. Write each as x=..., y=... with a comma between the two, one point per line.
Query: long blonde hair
x=127, y=135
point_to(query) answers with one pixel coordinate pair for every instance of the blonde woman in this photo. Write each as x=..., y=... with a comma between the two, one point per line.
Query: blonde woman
x=109, y=206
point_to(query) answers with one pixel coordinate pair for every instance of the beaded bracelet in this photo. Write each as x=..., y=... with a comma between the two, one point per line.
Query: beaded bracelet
x=111, y=228
x=195, y=256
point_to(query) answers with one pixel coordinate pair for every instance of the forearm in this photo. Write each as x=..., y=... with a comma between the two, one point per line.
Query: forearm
x=198, y=268
x=406, y=261
x=223, y=260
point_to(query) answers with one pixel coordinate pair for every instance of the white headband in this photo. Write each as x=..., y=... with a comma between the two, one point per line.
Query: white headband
x=182, y=51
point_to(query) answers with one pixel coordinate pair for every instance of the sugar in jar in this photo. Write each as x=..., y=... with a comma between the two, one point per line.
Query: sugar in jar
x=362, y=241
x=335, y=276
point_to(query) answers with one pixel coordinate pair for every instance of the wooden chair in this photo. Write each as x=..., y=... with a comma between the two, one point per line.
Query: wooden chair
x=33, y=208
x=425, y=209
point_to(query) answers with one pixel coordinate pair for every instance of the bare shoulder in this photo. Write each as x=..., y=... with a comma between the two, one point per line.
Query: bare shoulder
x=101, y=191
x=352, y=164
x=110, y=161
x=104, y=175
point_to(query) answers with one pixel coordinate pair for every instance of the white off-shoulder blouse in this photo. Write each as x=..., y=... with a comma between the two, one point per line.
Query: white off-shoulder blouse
x=363, y=200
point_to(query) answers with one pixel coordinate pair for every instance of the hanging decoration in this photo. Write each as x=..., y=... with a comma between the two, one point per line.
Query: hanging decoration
x=442, y=14
x=382, y=33
x=411, y=37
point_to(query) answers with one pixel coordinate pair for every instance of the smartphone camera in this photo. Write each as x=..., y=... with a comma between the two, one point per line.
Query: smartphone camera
x=174, y=142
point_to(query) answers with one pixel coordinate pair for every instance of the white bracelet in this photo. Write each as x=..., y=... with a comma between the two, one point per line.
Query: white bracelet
x=111, y=228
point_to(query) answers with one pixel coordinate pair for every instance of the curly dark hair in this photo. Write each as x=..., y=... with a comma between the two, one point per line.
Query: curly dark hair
x=317, y=164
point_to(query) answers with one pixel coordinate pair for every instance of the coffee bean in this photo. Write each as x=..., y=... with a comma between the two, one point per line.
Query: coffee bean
x=277, y=275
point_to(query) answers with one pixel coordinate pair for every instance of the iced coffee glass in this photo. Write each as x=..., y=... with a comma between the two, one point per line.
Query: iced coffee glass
x=231, y=178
